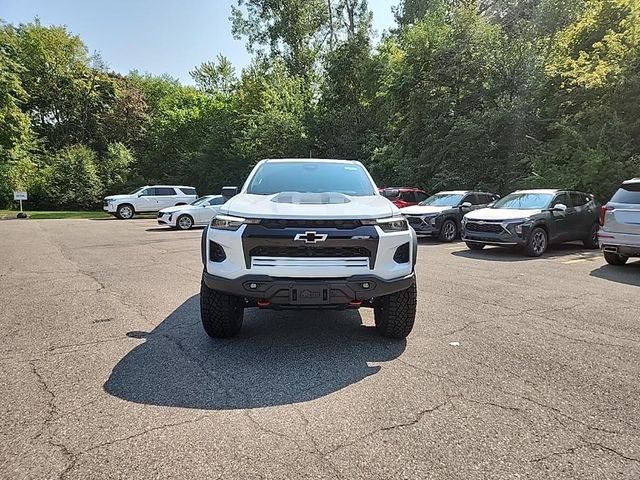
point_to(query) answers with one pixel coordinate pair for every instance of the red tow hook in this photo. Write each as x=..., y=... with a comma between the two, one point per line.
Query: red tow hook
x=264, y=303
x=355, y=303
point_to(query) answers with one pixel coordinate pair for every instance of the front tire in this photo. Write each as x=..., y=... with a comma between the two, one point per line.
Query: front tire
x=184, y=222
x=448, y=231
x=395, y=313
x=221, y=314
x=474, y=245
x=538, y=242
x=615, y=258
x=125, y=211
x=592, y=240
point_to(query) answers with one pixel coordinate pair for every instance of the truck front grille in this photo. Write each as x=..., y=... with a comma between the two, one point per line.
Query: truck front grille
x=314, y=252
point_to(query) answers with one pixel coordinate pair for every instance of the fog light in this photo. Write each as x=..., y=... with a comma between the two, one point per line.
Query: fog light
x=366, y=285
x=253, y=286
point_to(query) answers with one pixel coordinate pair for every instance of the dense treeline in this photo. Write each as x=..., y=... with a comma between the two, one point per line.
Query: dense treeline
x=494, y=94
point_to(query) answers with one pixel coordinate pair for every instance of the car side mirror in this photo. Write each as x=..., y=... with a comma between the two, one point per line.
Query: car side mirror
x=559, y=207
x=228, y=192
x=466, y=205
x=491, y=204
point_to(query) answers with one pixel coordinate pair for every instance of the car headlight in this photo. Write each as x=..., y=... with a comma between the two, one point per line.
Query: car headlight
x=227, y=222
x=519, y=225
x=389, y=224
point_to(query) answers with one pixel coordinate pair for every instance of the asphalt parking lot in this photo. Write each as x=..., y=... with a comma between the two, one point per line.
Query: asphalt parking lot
x=517, y=368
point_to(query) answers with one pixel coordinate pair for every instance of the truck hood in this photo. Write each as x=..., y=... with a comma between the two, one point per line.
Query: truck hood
x=500, y=214
x=423, y=210
x=293, y=205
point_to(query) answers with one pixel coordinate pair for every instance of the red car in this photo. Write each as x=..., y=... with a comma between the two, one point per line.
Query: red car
x=404, y=196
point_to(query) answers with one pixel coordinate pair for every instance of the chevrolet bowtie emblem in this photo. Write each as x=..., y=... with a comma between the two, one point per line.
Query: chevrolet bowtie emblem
x=311, y=237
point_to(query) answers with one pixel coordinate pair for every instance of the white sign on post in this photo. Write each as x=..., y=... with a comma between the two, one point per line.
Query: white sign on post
x=20, y=196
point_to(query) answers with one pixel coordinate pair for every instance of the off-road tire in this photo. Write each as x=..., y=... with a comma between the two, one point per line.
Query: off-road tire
x=615, y=258
x=448, y=231
x=474, y=245
x=221, y=314
x=592, y=240
x=534, y=248
x=122, y=209
x=187, y=225
x=395, y=313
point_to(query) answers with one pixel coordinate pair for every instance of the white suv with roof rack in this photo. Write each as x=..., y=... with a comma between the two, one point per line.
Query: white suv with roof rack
x=619, y=234
x=148, y=199
x=308, y=234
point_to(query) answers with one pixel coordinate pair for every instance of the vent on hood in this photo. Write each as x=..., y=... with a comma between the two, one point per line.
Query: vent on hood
x=310, y=198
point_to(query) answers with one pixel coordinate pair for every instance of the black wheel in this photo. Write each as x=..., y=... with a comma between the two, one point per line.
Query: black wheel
x=615, y=258
x=592, y=240
x=184, y=222
x=538, y=242
x=221, y=314
x=474, y=245
x=125, y=211
x=448, y=231
x=395, y=313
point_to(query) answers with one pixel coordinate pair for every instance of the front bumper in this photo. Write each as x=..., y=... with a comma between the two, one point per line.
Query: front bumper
x=504, y=238
x=166, y=219
x=308, y=293
x=424, y=225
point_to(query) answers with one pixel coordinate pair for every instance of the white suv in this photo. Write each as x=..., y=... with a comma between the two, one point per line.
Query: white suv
x=619, y=234
x=308, y=234
x=149, y=199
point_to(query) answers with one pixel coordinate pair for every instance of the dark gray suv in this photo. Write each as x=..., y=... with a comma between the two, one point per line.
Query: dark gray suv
x=440, y=214
x=532, y=219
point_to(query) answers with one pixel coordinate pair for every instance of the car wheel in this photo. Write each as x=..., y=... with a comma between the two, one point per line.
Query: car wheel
x=474, y=245
x=592, y=240
x=538, y=242
x=184, y=222
x=615, y=258
x=125, y=211
x=221, y=314
x=395, y=313
x=448, y=231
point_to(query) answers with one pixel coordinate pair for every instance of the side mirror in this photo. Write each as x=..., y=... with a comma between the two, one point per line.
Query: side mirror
x=559, y=207
x=491, y=204
x=228, y=192
x=466, y=205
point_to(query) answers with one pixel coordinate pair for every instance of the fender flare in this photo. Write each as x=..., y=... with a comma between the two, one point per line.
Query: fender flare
x=203, y=245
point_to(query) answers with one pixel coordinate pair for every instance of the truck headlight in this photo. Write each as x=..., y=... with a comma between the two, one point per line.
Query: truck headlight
x=518, y=227
x=227, y=222
x=390, y=224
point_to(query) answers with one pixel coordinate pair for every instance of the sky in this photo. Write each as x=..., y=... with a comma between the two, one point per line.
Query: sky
x=161, y=36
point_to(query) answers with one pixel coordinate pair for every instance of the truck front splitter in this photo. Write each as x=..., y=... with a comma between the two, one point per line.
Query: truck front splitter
x=308, y=293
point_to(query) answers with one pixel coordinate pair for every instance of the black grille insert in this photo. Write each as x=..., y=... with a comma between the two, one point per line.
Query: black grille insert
x=347, y=224
x=402, y=254
x=282, y=251
x=484, y=227
x=216, y=252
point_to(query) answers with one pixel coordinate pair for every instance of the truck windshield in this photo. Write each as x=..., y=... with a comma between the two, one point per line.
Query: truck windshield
x=311, y=177
x=443, y=200
x=524, y=201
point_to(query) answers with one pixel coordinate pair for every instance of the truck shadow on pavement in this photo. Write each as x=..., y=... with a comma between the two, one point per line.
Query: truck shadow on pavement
x=279, y=358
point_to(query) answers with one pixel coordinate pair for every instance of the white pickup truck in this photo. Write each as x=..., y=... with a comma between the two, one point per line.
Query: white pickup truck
x=308, y=234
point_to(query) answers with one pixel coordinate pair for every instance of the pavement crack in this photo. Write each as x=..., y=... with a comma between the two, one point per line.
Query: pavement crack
x=600, y=446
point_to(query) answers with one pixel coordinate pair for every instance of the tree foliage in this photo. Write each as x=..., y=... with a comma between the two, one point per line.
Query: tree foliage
x=494, y=94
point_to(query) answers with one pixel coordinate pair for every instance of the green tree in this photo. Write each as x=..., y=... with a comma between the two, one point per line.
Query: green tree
x=72, y=180
x=215, y=77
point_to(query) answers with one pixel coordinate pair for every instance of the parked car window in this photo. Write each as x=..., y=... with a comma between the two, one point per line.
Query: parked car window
x=201, y=201
x=216, y=201
x=485, y=198
x=165, y=191
x=148, y=192
x=563, y=198
x=628, y=193
x=407, y=197
x=443, y=200
x=188, y=191
x=524, y=201
x=420, y=196
x=578, y=199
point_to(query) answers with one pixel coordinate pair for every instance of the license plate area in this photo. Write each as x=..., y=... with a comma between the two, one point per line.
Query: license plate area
x=312, y=294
